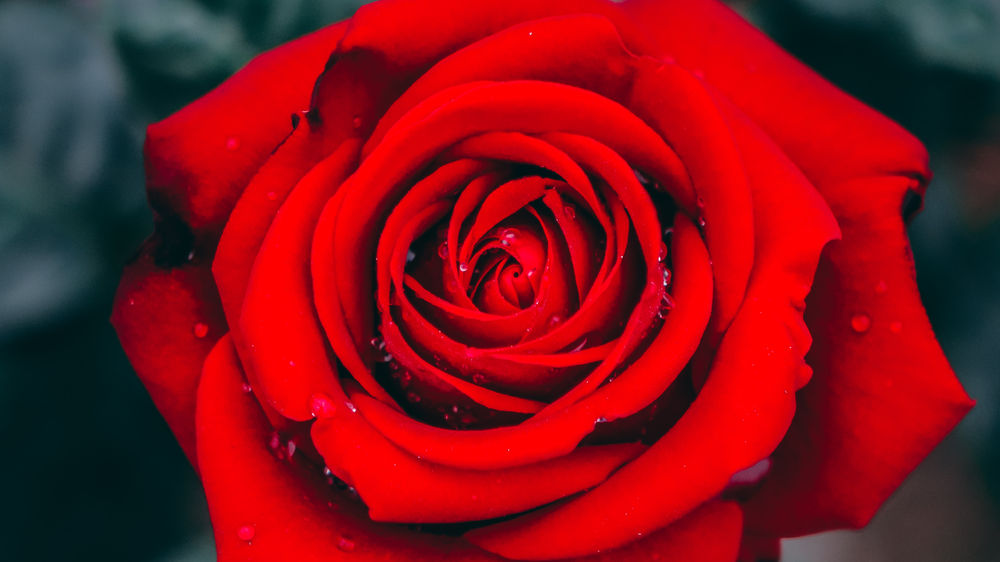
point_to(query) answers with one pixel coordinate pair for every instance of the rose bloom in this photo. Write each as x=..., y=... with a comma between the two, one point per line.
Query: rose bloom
x=535, y=280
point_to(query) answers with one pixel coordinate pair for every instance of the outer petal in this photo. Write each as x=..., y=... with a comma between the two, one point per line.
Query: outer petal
x=167, y=320
x=883, y=394
x=199, y=159
x=293, y=514
x=830, y=135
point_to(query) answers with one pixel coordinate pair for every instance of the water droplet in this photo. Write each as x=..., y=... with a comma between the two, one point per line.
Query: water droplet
x=246, y=388
x=478, y=378
x=246, y=533
x=751, y=475
x=700, y=202
x=443, y=250
x=200, y=330
x=190, y=256
x=232, y=143
x=666, y=305
x=410, y=256
x=531, y=273
x=665, y=275
x=275, y=442
x=641, y=177
x=701, y=222
x=356, y=121
x=861, y=322
x=291, y=448
x=413, y=397
x=895, y=326
x=350, y=406
x=881, y=287
x=463, y=267
x=346, y=544
x=663, y=251
x=508, y=235
x=601, y=419
x=272, y=195
x=570, y=212
x=320, y=406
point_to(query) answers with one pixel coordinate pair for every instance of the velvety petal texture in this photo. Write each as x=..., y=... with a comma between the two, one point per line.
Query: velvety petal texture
x=534, y=281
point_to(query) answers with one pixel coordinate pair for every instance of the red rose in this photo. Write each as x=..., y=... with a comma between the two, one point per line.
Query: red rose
x=528, y=279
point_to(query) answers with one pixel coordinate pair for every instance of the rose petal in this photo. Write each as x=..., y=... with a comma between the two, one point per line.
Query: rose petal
x=828, y=134
x=882, y=394
x=168, y=319
x=398, y=487
x=199, y=159
x=284, y=347
x=291, y=511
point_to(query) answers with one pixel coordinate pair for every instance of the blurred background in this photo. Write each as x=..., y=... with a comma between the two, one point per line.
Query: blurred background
x=89, y=469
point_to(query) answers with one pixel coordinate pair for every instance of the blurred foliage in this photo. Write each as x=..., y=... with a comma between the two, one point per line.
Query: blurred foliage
x=89, y=461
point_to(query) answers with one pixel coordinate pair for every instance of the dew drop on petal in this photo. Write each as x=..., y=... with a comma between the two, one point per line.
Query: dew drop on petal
x=665, y=276
x=478, y=378
x=861, y=322
x=246, y=388
x=350, y=406
x=663, y=251
x=570, y=212
x=443, y=250
x=752, y=475
x=346, y=544
x=356, y=121
x=413, y=397
x=246, y=533
x=320, y=406
x=463, y=267
x=200, y=330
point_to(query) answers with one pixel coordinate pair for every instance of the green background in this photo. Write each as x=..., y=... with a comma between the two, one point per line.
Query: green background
x=90, y=471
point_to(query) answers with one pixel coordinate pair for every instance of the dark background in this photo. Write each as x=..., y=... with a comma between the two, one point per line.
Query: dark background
x=89, y=470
